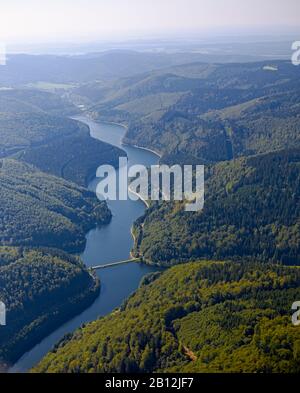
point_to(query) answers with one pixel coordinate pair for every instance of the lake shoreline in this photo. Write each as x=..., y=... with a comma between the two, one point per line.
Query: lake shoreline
x=142, y=148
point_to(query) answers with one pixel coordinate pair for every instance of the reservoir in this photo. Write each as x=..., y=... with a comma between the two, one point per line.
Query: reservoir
x=110, y=243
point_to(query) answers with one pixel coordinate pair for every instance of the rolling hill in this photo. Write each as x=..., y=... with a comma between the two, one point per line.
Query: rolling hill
x=57, y=145
x=201, y=317
x=105, y=65
x=41, y=290
x=251, y=210
x=42, y=210
x=25, y=100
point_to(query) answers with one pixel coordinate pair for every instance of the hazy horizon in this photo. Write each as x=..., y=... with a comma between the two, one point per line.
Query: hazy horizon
x=98, y=20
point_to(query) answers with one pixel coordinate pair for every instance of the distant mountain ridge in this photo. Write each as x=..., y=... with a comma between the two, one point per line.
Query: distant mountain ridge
x=111, y=64
x=41, y=210
x=178, y=111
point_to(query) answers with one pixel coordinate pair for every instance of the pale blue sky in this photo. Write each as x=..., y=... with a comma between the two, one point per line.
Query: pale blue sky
x=40, y=20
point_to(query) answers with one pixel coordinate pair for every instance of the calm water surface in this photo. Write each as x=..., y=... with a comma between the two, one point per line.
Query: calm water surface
x=107, y=244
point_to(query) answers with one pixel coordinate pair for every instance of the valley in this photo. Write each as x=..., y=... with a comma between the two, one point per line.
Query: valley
x=233, y=316
x=215, y=288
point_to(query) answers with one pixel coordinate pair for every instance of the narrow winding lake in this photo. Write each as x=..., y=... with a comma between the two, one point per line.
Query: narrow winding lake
x=108, y=244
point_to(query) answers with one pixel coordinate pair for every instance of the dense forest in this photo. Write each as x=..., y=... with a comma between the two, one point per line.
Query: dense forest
x=57, y=145
x=203, y=317
x=21, y=131
x=242, y=121
x=264, y=124
x=30, y=100
x=104, y=66
x=42, y=289
x=38, y=209
x=251, y=210
x=184, y=112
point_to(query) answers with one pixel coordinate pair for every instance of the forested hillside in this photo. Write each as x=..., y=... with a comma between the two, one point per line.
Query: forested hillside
x=203, y=317
x=56, y=145
x=44, y=288
x=41, y=290
x=252, y=210
x=182, y=112
x=42, y=210
x=25, y=100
